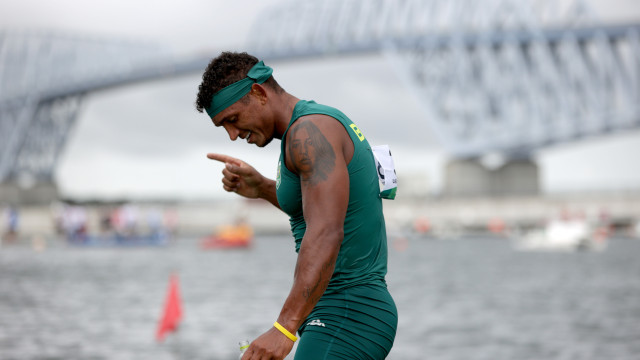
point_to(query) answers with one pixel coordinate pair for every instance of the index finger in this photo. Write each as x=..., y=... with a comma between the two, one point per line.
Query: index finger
x=223, y=158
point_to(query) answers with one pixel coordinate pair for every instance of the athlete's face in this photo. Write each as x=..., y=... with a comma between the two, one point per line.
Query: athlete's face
x=303, y=150
x=246, y=121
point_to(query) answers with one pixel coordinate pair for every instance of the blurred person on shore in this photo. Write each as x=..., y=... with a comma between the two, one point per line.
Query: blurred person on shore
x=154, y=222
x=170, y=221
x=105, y=221
x=328, y=184
x=12, y=220
x=74, y=223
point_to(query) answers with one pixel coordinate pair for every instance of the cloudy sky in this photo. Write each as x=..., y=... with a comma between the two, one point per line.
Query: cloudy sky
x=147, y=140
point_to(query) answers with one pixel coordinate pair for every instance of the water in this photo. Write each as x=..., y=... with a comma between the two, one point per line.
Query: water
x=462, y=299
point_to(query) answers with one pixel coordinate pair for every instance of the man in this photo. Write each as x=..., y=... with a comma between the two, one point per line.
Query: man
x=327, y=184
x=12, y=218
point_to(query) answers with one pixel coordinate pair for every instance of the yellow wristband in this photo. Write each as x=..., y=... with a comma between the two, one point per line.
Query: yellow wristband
x=285, y=331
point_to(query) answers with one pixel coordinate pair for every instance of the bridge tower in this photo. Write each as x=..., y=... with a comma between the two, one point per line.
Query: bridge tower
x=43, y=80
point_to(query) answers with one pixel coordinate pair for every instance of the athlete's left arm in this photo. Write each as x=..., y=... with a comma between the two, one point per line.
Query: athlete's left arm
x=318, y=150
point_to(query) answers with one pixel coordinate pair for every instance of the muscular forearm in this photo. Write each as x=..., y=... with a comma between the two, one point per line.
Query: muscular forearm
x=314, y=269
x=268, y=192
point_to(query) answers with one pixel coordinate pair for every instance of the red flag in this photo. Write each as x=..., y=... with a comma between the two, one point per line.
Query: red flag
x=172, y=310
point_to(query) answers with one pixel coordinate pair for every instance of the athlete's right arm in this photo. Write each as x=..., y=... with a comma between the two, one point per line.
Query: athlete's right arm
x=243, y=179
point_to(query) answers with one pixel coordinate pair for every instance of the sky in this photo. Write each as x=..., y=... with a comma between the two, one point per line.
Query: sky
x=147, y=140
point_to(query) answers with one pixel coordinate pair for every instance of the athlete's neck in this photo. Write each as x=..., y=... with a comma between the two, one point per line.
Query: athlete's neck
x=284, y=105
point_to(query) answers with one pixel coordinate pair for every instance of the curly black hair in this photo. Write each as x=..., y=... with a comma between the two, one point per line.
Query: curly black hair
x=223, y=71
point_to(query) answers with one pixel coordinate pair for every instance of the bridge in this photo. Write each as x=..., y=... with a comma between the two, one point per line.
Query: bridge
x=503, y=77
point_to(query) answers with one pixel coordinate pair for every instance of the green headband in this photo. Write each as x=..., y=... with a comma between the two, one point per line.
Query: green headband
x=224, y=98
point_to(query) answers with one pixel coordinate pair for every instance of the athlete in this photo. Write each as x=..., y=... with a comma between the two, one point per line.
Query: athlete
x=327, y=183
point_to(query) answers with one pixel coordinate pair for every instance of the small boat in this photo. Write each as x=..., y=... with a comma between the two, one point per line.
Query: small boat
x=564, y=235
x=229, y=236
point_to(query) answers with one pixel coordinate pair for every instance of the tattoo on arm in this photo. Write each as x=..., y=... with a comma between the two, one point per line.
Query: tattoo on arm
x=311, y=153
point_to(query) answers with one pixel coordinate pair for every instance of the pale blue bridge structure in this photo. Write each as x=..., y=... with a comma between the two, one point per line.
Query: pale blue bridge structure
x=504, y=77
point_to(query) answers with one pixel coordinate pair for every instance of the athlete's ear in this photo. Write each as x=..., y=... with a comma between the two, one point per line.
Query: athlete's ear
x=260, y=92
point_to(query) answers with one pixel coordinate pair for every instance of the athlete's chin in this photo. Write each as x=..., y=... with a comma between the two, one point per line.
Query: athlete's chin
x=263, y=143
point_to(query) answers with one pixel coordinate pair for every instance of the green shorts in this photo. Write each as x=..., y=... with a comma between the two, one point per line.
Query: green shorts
x=356, y=323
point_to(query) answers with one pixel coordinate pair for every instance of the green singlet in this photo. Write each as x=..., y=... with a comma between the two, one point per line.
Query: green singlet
x=356, y=318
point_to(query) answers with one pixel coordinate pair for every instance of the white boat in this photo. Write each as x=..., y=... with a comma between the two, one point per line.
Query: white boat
x=564, y=235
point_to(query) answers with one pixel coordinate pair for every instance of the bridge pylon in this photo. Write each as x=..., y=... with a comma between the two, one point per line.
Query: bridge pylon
x=43, y=80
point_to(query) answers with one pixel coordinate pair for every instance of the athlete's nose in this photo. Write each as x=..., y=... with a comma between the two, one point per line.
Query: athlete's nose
x=232, y=131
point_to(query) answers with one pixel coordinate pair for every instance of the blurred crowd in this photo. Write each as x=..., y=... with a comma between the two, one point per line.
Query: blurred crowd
x=122, y=221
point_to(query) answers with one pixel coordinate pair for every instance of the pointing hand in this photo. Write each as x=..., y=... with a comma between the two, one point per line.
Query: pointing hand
x=238, y=176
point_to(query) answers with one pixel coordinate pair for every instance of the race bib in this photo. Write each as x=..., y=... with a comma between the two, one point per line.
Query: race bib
x=386, y=171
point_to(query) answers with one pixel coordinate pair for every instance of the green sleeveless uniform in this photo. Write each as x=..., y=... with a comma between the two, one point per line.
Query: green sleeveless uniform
x=356, y=317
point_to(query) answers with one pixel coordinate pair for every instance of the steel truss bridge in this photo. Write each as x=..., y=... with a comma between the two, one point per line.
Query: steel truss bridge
x=494, y=76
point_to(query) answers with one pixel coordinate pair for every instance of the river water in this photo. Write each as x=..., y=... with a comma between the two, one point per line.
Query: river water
x=474, y=298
